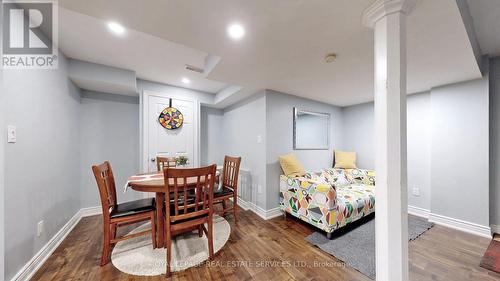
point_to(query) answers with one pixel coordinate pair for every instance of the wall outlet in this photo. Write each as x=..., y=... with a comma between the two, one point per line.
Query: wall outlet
x=259, y=139
x=11, y=134
x=416, y=191
x=259, y=188
x=39, y=229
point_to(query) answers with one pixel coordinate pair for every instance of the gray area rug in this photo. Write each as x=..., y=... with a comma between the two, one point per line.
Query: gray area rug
x=355, y=245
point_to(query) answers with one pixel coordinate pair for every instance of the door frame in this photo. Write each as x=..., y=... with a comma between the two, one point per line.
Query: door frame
x=144, y=112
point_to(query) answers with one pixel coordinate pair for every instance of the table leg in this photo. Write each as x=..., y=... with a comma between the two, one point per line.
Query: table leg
x=160, y=220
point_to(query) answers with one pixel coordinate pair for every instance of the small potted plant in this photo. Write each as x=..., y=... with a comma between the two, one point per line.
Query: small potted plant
x=182, y=161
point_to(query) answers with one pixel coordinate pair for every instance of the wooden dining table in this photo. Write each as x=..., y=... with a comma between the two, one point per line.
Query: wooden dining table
x=156, y=184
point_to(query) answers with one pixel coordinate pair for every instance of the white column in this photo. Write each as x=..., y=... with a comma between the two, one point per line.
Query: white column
x=388, y=19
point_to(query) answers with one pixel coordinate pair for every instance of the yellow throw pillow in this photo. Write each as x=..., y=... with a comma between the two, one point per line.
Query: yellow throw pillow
x=345, y=160
x=291, y=165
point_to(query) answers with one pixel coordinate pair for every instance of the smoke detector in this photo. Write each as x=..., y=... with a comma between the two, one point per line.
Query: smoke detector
x=330, y=57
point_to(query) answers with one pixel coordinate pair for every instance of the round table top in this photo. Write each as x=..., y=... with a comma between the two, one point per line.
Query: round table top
x=158, y=184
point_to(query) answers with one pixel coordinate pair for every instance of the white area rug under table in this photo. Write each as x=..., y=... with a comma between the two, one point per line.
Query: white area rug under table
x=136, y=256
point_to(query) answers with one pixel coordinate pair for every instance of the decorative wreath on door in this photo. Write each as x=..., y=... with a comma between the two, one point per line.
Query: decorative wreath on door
x=171, y=118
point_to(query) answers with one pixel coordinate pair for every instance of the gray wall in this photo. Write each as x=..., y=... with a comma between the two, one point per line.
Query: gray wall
x=358, y=133
x=43, y=172
x=495, y=141
x=242, y=124
x=447, y=148
x=109, y=131
x=419, y=149
x=358, y=136
x=459, y=151
x=279, y=126
x=211, y=136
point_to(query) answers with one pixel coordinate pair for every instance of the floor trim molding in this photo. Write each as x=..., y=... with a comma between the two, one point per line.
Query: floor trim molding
x=495, y=228
x=91, y=211
x=419, y=212
x=32, y=266
x=457, y=224
x=264, y=214
x=461, y=225
x=242, y=204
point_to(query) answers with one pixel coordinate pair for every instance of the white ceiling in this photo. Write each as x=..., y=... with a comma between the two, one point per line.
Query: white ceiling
x=152, y=58
x=485, y=15
x=284, y=46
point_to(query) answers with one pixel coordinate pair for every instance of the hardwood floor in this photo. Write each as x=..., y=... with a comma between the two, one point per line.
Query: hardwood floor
x=439, y=254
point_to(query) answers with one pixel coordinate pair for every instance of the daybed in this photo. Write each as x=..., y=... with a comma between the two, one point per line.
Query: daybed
x=329, y=199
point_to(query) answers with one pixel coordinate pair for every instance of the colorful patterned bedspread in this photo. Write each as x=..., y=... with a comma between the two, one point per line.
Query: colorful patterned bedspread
x=331, y=198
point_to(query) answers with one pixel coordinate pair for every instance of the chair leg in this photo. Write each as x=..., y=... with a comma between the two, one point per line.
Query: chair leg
x=168, y=243
x=114, y=226
x=210, y=239
x=224, y=206
x=235, y=207
x=153, y=229
x=106, y=241
x=200, y=231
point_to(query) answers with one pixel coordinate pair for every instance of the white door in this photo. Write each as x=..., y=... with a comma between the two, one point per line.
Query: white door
x=163, y=142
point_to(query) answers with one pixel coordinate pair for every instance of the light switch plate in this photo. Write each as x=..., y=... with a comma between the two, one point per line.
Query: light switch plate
x=11, y=134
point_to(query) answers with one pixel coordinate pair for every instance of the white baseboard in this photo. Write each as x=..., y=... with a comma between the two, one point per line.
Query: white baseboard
x=30, y=268
x=495, y=228
x=273, y=213
x=242, y=204
x=457, y=224
x=419, y=212
x=264, y=214
x=91, y=211
x=461, y=225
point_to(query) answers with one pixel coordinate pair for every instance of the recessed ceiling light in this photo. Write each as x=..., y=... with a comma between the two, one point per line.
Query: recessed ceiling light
x=235, y=31
x=330, y=57
x=116, y=28
x=185, y=80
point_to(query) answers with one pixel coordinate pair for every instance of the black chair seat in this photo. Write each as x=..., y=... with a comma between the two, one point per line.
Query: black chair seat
x=180, y=199
x=224, y=191
x=133, y=208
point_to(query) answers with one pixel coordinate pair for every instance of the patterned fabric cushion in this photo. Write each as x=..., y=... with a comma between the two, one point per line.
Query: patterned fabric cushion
x=331, y=198
x=336, y=177
x=353, y=202
x=359, y=176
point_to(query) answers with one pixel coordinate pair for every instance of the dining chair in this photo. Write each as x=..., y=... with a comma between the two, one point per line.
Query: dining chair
x=115, y=215
x=187, y=213
x=163, y=162
x=230, y=174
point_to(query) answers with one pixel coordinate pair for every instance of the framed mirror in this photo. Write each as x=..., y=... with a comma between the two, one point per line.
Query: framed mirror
x=311, y=130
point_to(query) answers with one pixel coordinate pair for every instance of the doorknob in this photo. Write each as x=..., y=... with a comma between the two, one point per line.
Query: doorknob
x=153, y=159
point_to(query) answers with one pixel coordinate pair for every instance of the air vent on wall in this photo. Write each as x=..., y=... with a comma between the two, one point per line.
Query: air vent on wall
x=193, y=68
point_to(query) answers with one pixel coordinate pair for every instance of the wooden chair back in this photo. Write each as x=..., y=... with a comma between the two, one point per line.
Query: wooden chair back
x=230, y=172
x=180, y=182
x=107, y=189
x=165, y=162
